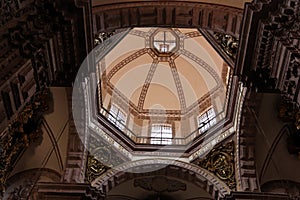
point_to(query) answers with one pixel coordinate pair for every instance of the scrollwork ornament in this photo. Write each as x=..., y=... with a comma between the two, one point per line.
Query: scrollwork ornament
x=220, y=161
x=94, y=168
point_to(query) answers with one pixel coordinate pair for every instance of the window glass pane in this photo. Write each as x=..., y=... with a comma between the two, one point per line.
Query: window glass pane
x=206, y=120
x=211, y=113
x=161, y=134
x=117, y=117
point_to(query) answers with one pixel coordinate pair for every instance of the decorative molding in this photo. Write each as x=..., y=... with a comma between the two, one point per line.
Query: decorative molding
x=220, y=161
x=168, y=14
x=67, y=191
x=125, y=61
x=94, y=168
x=164, y=167
x=269, y=57
x=245, y=159
x=203, y=64
x=178, y=84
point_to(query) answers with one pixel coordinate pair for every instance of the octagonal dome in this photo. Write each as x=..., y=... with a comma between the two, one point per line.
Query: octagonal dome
x=162, y=76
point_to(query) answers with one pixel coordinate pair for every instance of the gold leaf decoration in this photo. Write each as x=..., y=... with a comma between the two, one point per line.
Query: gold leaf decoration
x=94, y=168
x=220, y=161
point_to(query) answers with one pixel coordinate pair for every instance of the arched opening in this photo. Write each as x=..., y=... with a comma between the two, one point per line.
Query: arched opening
x=160, y=178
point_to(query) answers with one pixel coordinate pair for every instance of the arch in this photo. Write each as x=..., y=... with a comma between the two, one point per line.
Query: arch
x=172, y=168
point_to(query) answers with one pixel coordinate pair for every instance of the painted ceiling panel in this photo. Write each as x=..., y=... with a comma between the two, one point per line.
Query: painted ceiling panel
x=128, y=44
x=132, y=76
x=162, y=98
x=193, y=82
x=199, y=46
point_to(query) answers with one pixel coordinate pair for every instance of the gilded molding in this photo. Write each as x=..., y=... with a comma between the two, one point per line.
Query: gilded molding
x=94, y=168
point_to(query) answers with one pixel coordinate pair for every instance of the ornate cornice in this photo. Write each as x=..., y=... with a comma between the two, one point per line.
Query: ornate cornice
x=67, y=191
x=168, y=14
x=269, y=57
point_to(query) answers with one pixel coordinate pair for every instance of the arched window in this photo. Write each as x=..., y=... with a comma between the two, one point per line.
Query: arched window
x=117, y=117
x=161, y=134
x=207, y=120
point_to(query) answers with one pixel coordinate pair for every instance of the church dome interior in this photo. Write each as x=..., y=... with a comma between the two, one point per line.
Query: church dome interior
x=159, y=80
x=149, y=100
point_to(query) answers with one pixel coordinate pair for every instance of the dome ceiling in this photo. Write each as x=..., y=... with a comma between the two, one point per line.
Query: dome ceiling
x=158, y=70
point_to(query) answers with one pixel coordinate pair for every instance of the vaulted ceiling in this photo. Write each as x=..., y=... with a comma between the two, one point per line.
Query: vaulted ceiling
x=163, y=70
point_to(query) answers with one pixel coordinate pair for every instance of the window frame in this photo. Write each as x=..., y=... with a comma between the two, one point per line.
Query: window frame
x=117, y=116
x=208, y=118
x=165, y=135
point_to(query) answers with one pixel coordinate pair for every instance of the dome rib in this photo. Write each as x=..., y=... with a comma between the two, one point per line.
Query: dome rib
x=146, y=85
x=178, y=84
